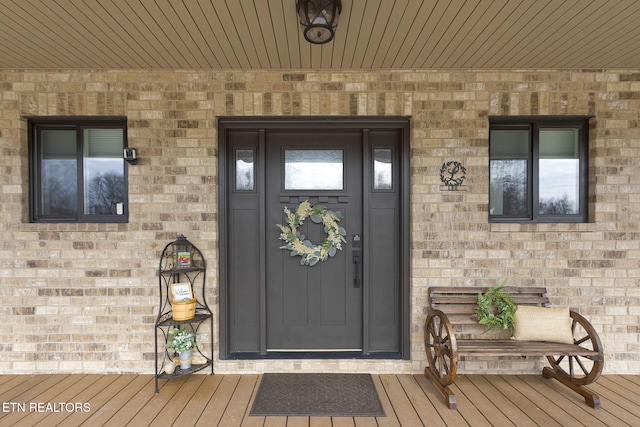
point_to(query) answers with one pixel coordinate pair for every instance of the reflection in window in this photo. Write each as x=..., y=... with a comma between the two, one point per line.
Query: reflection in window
x=244, y=170
x=103, y=171
x=59, y=181
x=382, y=169
x=559, y=171
x=508, y=188
x=508, y=172
x=313, y=170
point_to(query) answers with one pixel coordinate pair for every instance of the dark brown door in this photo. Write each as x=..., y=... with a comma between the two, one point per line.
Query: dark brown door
x=357, y=301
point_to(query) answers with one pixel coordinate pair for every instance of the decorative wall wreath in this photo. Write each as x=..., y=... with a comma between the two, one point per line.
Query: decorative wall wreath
x=453, y=174
x=492, y=301
x=312, y=254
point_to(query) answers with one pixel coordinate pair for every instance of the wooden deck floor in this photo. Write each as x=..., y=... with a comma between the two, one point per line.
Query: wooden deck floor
x=225, y=400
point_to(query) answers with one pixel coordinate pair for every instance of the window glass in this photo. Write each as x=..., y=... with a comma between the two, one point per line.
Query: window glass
x=559, y=172
x=382, y=169
x=508, y=188
x=509, y=144
x=508, y=172
x=313, y=170
x=103, y=171
x=244, y=170
x=58, y=171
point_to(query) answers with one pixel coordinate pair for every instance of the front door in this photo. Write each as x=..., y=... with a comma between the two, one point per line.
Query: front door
x=314, y=307
x=273, y=303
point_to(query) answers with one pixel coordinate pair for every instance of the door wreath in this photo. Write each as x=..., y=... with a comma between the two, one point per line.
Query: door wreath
x=296, y=243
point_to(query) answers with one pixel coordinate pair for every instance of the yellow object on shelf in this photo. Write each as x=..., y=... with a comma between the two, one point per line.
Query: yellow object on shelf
x=184, y=310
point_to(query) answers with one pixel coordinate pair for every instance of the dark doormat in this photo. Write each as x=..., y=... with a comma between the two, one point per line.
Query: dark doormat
x=335, y=395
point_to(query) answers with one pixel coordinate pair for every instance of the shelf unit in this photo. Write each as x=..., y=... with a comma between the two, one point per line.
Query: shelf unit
x=181, y=262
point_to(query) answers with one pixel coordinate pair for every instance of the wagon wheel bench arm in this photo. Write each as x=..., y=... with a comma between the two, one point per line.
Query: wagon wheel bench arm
x=442, y=353
x=579, y=373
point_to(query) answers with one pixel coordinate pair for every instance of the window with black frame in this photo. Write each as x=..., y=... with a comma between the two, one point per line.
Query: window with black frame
x=77, y=169
x=538, y=169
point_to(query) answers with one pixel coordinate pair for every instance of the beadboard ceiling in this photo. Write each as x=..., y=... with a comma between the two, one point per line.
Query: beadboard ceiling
x=372, y=34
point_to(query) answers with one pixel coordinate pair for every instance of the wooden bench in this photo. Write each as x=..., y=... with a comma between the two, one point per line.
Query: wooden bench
x=452, y=333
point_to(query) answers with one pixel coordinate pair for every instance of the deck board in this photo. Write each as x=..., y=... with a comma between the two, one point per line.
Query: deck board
x=200, y=399
x=390, y=419
x=402, y=406
x=514, y=413
x=474, y=405
x=427, y=413
x=213, y=412
x=176, y=406
x=46, y=389
x=625, y=407
x=123, y=415
x=90, y=393
x=570, y=402
x=225, y=400
x=111, y=413
x=539, y=399
x=237, y=409
x=155, y=403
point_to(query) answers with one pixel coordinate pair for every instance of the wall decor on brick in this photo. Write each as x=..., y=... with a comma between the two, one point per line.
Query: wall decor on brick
x=453, y=175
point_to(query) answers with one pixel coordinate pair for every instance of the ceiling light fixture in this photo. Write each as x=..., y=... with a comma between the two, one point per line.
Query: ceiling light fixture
x=319, y=19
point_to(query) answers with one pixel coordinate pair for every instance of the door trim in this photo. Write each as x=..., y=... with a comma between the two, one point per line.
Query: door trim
x=261, y=125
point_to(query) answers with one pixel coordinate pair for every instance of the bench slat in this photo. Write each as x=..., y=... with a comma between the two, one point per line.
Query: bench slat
x=475, y=347
x=476, y=289
x=473, y=299
x=454, y=300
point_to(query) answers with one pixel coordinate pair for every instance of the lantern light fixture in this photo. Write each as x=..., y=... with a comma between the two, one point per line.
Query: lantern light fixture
x=319, y=19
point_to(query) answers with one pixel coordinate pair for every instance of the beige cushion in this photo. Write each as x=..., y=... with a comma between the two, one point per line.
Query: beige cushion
x=543, y=324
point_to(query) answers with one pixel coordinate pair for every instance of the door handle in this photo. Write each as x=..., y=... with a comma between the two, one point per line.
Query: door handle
x=356, y=253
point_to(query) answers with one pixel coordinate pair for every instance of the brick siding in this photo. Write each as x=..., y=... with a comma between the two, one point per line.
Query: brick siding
x=83, y=297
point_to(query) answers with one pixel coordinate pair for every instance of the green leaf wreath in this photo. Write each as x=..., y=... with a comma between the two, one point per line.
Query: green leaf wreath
x=495, y=309
x=312, y=254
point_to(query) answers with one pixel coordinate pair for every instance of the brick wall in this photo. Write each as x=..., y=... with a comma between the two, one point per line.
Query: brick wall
x=83, y=297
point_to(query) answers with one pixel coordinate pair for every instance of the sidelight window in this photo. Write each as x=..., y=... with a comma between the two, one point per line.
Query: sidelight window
x=382, y=169
x=245, y=170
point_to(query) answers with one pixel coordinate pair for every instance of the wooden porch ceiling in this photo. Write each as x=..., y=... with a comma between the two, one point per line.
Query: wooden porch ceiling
x=372, y=34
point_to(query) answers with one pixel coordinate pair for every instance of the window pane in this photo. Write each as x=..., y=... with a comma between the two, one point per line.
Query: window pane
x=508, y=193
x=244, y=170
x=559, y=171
x=509, y=151
x=103, y=171
x=509, y=144
x=313, y=170
x=59, y=179
x=382, y=169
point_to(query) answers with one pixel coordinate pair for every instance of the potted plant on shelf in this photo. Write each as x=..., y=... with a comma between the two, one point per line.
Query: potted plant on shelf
x=182, y=341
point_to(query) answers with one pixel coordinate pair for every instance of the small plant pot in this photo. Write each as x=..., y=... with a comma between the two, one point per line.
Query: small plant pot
x=185, y=359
